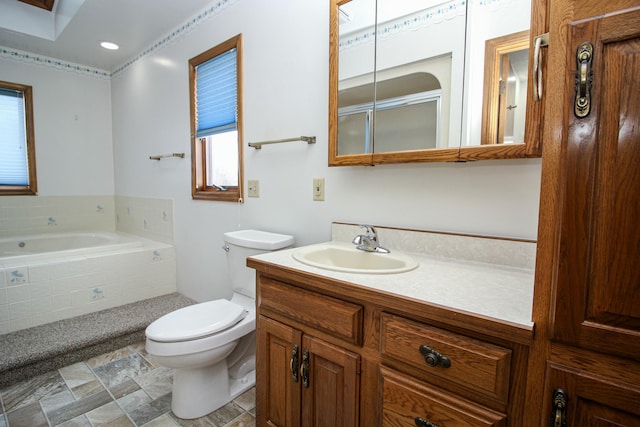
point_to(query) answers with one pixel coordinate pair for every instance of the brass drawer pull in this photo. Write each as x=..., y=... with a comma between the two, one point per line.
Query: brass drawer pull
x=293, y=364
x=433, y=358
x=584, y=79
x=421, y=422
x=558, y=415
x=305, y=368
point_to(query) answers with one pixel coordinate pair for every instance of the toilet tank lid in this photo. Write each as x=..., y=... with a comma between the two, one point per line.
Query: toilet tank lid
x=257, y=239
x=196, y=321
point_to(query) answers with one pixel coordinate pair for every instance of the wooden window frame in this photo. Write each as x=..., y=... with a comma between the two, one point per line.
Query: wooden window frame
x=199, y=189
x=31, y=188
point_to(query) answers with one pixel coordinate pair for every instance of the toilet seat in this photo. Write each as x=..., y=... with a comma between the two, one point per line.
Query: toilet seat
x=196, y=321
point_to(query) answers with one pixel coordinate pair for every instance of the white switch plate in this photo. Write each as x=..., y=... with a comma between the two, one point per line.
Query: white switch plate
x=318, y=189
x=253, y=188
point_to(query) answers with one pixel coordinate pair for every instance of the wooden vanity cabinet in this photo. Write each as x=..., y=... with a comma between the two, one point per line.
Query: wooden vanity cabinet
x=331, y=354
x=304, y=380
x=587, y=292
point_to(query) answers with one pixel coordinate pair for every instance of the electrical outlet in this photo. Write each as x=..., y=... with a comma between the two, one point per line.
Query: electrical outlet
x=253, y=188
x=318, y=189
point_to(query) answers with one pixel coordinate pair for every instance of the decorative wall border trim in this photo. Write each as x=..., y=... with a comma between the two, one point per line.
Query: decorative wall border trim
x=185, y=28
x=423, y=18
x=440, y=13
x=22, y=56
x=33, y=58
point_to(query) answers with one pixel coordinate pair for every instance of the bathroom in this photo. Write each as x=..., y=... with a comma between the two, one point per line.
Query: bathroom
x=95, y=133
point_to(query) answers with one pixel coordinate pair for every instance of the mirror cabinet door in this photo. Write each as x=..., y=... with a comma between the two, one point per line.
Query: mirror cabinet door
x=430, y=80
x=353, y=31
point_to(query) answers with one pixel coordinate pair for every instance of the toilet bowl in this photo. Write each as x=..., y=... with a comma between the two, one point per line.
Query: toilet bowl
x=211, y=345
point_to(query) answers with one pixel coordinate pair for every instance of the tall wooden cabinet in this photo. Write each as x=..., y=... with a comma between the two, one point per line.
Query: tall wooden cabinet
x=587, y=296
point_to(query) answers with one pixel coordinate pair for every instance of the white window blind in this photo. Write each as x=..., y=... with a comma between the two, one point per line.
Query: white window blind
x=13, y=142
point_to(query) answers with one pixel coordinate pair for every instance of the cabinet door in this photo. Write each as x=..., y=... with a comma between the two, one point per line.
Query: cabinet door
x=597, y=289
x=589, y=400
x=330, y=385
x=277, y=391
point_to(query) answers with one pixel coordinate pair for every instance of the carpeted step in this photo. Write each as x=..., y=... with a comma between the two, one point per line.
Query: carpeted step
x=34, y=351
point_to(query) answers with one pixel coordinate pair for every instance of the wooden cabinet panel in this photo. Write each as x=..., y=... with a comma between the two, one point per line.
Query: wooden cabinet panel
x=597, y=287
x=404, y=399
x=304, y=381
x=592, y=400
x=477, y=365
x=336, y=317
x=276, y=391
x=331, y=398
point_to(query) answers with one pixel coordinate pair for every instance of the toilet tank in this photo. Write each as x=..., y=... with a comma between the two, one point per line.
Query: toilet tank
x=241, y=244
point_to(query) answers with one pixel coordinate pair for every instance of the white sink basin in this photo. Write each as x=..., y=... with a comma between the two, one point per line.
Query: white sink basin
x=348, y=259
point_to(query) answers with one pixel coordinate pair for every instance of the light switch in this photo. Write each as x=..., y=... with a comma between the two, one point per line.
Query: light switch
x=253, y=188
x=318, y=189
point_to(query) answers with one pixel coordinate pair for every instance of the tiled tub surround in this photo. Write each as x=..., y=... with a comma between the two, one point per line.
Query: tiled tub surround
x=151, y=218
x=121, y=388
x=483, y=276
x=147, y=217
x=22, y=215
x=45, y=288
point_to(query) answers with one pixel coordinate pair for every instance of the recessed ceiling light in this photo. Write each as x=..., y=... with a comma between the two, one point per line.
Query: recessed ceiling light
x=109, y=45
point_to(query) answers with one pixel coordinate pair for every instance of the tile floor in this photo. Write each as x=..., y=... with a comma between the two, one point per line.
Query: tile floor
x=118, y=389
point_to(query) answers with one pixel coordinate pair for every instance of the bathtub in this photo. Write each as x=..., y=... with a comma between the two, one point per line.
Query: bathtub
x=49, y=277
x=41, y=246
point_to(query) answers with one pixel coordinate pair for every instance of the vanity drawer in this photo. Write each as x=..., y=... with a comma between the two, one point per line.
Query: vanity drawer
x=473, y=364
x=336, y=317
x=404, y=399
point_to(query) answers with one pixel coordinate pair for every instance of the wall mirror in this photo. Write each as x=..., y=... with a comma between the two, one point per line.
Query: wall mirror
x=407, y=80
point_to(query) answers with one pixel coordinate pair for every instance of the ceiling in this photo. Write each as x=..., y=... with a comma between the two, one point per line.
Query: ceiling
x=73, y=29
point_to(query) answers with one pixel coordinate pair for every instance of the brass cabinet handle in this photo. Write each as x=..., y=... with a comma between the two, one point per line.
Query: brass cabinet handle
x=558, y=414
x=305, y=368
x=433, y=358
x=539, y=42
x=421, y=422
x=584, y=77
x=293, y=364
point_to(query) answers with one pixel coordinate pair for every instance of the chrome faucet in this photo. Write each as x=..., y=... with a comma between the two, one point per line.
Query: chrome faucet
x=368, y=241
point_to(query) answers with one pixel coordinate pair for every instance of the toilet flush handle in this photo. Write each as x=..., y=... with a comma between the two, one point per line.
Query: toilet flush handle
x=225, y=248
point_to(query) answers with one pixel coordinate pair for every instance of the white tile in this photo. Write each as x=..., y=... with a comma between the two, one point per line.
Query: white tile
x=19, y=310
x=41, y=305
x=3, y=297
x=58, y=270
x=40, y=289
x=61, y=302
x=38, y=272
x=4, y=312
x=18, y=293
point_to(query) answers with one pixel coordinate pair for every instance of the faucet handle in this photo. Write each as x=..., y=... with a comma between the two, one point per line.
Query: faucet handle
x=369, y=230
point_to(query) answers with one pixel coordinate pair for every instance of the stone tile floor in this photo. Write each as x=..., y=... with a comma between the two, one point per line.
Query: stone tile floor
x=118, y=389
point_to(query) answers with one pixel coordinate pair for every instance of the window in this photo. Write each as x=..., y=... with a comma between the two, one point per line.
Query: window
x=215, y=87
x=17, y=146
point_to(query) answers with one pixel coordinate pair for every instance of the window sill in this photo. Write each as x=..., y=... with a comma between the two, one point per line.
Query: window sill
x=216, y=195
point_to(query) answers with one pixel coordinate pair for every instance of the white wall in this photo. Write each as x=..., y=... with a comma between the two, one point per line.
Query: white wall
x=285, y=78
x=72, y=119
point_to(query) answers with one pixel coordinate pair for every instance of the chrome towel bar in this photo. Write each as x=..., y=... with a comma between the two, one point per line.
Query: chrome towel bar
x=307, y=139
x=165, y=156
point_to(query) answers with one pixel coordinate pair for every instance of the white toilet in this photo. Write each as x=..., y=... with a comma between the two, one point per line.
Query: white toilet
x=211, y=345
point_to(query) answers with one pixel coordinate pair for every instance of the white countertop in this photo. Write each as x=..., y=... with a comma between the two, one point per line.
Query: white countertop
x=491, y=290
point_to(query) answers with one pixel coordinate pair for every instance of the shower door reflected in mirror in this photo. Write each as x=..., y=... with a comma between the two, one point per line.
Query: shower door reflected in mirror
x=395, y=88
x=432, y=51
